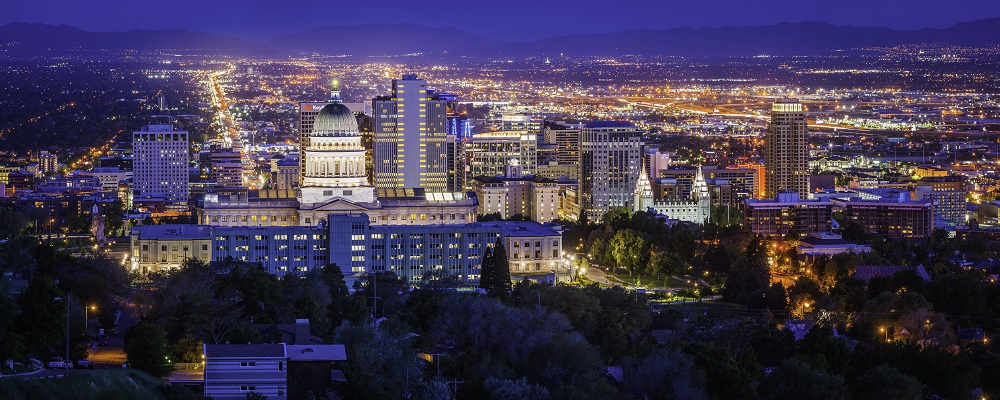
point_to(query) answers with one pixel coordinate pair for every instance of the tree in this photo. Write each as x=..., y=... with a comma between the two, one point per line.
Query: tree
x=796, y=380
x=436, y=389
x=343, y=306
x=147, y=350
x=662, y=262
x=253, y=395
x=887, y=383
x=665, y=374
x=628, y=247
x=377, y=362
x=722, y=376
x=506, y=389
x=569, y=367
x=43, y=321
x=11, y=341
x=187, y=350
x=495, y=276
x=750, y=277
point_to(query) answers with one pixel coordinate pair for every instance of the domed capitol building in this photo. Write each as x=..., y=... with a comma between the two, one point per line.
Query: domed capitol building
x=333, y=181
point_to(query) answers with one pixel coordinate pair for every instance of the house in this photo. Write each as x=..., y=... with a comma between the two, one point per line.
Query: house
x=233, y=370
x=276, y=371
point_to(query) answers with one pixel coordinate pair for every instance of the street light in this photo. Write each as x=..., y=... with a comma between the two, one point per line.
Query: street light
x=86, y=317
x=886, y=334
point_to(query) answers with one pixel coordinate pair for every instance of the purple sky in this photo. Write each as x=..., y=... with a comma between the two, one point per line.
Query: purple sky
x=495, y=19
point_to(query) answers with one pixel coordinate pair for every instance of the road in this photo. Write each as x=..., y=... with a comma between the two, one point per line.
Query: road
x=597, y=275
x=113, y=355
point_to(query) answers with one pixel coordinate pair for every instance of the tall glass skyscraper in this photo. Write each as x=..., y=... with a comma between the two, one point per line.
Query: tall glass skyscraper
x=786, y=150
x=409, y=137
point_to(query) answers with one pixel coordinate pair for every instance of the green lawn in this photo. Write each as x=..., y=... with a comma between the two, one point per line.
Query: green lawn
x=18, y=369
x=648, y=280
x=101, y=384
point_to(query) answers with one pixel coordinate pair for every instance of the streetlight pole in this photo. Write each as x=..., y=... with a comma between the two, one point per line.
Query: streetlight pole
x=66, y=360
x=86, y=318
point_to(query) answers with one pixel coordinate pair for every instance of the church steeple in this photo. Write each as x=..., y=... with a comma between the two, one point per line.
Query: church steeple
x=642, y=197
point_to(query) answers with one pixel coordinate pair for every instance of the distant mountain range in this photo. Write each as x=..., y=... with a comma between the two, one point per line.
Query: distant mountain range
x=24, y=36
x=805, y=38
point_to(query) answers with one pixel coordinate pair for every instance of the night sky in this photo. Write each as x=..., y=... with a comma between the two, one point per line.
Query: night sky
x=499, y=20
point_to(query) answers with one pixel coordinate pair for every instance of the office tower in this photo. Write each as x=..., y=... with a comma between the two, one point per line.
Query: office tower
x=334, y=158
x=610, y=159
x=456, y=163
x=48, y=163
x=460, y=126
x=520, y=122
x=160, y=163
x=409, y=138
x=568, y=142
x=786, y=149
x=489, y=153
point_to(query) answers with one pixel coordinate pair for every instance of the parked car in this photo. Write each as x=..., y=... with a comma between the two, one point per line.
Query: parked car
x=57, y=362
x=102, y=340
x=85, y=364
x=114, y=330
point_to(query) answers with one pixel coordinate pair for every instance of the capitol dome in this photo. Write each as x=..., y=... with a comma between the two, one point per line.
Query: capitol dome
x=335, y=118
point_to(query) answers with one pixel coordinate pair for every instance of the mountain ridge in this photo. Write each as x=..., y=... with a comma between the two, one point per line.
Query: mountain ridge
x=365, y=40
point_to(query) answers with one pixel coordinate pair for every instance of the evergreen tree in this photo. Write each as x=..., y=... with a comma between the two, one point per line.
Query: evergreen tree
x=487, y=270
x=495, y=276
x=502, y=268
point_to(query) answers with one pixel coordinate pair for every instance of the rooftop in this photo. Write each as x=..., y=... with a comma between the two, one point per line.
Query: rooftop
x=521, y=228
x=323, y=352
x=610, y=124
x=244, y=351
x=173, y=232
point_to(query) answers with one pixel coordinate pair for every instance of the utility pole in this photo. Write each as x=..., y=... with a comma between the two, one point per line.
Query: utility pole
x=66, y=361
x=457, y=382
x=374, y=299
x=437, y=360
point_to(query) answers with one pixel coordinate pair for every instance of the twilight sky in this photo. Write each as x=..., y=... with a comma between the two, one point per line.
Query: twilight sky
x=495, y=19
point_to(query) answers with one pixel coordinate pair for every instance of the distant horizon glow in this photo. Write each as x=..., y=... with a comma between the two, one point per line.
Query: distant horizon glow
x=518, y=20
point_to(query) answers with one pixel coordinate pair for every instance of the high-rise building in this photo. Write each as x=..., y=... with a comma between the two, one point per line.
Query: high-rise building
x=456, y=163
x=520, y=122
x=48, y=163
x=409, y=138
x=610, y=159
x=160, y=163
x=786, y=150
x=489, y=153
x=567, y=141
x=334, y=158
x=460, y=126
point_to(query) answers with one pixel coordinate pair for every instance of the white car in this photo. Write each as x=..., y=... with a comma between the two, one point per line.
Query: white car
x=57, y=362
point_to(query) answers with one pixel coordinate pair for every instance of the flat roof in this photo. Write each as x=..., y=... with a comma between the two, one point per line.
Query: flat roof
x=521, y=228
x=173, y=232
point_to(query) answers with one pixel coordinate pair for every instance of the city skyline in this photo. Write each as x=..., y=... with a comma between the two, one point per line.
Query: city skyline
x=231, y=18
